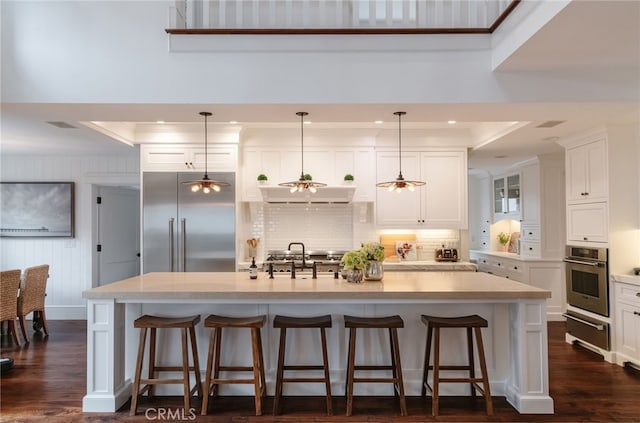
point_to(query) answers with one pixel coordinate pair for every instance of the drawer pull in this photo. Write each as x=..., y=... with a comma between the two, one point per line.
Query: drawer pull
x=584, y=322
x=636, y=313
x=637, y=294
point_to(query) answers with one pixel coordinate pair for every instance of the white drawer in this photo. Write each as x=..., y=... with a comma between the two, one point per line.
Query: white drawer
x=628, y=293
x=530, y=232
x=530, y=249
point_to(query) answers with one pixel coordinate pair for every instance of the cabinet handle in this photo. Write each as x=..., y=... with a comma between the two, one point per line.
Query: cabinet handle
x=530, y=248
x=636, y=313
x=585, y=239
x=499, y=264
x=530, y=233
x=515, y=267
x=637, y=294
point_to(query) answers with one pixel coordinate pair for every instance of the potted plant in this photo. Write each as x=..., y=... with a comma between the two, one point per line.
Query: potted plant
x=348, y=178
x=354, y=263
x=262, y=178
x=307, y=177
x=374, y=254
x=503, y=239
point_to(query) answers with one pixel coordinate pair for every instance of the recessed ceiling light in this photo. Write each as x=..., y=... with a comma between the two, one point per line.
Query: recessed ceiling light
x=159, y=121
x=451, y=122
x=307, y=122
x=378, y=122
x=502, y=156
x=233, y=122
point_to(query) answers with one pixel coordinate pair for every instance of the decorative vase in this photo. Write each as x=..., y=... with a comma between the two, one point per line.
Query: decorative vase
x=355, y=275
x=373, y=271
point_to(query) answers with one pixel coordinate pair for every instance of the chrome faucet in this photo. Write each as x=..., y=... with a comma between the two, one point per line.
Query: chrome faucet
x=304, y=264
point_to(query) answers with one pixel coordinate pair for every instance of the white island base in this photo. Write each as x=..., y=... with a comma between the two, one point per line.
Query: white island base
x=515, y=341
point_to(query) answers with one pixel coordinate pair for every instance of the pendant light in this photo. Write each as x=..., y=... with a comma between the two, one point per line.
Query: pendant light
x=205, y=184
x=302, y=184
x=400, y=183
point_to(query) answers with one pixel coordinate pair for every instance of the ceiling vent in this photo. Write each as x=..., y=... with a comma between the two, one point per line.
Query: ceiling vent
x=550, y=123
x=62, y=125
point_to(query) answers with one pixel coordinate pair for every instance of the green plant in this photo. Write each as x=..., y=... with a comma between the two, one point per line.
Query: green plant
x=307, y=177
x=503, y=238
x=373, y=251
x=348, y=177
x=354, y=259
x=262, y=177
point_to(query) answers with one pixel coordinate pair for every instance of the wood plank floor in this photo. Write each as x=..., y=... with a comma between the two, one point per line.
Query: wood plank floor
x=49, y=381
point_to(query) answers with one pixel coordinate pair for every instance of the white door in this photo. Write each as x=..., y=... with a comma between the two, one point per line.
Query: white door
x=118, y=234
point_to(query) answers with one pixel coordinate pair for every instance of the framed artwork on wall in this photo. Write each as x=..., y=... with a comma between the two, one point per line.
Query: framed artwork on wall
x=37, y=209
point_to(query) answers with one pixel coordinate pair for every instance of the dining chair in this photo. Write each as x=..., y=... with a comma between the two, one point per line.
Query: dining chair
x=31, y=299
x=9, y=285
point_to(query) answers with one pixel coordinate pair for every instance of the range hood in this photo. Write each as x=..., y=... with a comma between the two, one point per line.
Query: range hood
x=329, y=194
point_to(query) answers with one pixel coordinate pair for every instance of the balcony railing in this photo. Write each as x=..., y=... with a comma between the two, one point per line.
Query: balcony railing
x=338, y=16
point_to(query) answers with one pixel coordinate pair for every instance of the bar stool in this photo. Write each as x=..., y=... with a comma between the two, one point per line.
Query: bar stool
x=287, y=322
x=154, y=322
x=434, y=324
x=389, y=322
x=217, y=323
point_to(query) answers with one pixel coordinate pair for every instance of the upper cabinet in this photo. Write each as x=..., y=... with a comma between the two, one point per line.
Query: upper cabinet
x=506, y=197
x=587, y=172
x=440, y=204
x=188, y=158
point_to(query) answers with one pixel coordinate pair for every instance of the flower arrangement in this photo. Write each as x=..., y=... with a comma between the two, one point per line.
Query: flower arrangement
x=348, y=177
x=307, y=177
x=262, y=177
x=354, y=259
x=373, y=251
x=503, y=238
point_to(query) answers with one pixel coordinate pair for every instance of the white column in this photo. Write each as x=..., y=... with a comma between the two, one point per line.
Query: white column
x=528, y=384
x=107, y=388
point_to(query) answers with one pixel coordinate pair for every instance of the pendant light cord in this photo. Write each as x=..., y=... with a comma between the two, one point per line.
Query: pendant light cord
x=399, y=114
x=302, y=115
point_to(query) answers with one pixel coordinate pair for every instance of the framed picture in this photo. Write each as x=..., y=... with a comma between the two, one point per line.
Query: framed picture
x=37, y=209
x=406, y=250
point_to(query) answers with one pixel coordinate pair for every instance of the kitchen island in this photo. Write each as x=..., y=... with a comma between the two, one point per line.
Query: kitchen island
x=516, y=339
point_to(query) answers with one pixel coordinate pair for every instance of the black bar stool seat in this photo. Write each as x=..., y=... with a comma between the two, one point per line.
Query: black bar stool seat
x=472, y=323
x=186, y=325
x=288, y=322
x=386, y=322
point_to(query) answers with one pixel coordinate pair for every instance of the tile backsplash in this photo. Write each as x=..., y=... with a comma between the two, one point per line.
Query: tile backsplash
x=332, y=227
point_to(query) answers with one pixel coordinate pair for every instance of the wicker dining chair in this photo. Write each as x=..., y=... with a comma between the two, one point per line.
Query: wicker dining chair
x=31, y=299
x=9, y=285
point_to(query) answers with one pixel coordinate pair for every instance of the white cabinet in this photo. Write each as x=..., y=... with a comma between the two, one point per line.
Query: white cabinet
x=587, y=174
x=544, y=274
x=587, y=222
x=627, y=324
x=188, y=158
x=479, y=211
x=440, y=204
x=506, y=197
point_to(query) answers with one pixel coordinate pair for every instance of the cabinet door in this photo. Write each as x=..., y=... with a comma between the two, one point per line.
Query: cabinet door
x=165, y=159
x=513, y=194
x=400, y=210
x=218, y=159
x=587, y=175
x=530, y=195
x=628, y=329
x=444, y=197
x=587, y=222
x=499, y=196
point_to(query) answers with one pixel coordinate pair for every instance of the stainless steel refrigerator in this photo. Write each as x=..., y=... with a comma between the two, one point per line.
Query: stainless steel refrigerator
x=185, y=231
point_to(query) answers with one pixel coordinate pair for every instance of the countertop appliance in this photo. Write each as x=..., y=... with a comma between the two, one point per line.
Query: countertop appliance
x=299, y=260
x=184, y=230
x=446, y=254
x=587, y=279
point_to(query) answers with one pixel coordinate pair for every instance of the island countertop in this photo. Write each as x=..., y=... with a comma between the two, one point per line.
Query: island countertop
x=238, y=286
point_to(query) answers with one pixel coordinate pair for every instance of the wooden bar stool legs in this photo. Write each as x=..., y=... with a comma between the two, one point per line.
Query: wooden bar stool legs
x=392, y=323
x=472, y=324
x=212, y=377
x=187, y=328
x=284, y=323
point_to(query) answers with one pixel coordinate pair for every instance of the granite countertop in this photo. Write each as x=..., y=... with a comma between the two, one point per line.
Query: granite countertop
x=220, y=286
x=424, y=265
x=514, y=256
x=630, y=279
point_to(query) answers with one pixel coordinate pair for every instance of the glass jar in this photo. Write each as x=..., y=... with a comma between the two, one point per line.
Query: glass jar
x=373, y=271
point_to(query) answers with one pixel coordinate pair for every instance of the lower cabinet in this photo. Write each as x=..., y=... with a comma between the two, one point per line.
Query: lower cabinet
x=627, y=324
x=542, y=273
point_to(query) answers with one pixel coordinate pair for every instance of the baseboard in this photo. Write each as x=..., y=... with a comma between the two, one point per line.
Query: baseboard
x=66, y=312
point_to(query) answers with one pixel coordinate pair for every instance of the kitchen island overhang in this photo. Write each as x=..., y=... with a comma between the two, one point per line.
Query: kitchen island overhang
x=517, y=333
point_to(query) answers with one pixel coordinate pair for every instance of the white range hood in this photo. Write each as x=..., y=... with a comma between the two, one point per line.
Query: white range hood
x=329, y=194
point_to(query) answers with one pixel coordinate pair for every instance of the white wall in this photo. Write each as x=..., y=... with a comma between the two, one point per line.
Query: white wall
x=69, y=258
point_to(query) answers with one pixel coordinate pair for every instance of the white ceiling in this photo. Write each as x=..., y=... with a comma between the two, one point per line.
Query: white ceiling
x=593, y=35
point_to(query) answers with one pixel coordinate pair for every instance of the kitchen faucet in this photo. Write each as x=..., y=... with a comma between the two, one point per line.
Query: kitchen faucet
x=304, y=265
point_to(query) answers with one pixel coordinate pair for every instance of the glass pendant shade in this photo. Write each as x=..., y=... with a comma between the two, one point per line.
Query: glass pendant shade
x=206, y=184
x=400, y=183
x=302, y=184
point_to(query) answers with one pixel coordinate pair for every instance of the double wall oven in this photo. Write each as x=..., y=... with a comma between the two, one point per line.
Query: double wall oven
x=587, y=278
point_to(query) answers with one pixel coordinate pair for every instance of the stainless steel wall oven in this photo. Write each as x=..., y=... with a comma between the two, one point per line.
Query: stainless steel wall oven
x=588, y=278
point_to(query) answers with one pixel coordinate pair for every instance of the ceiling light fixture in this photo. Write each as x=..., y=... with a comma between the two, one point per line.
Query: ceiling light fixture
x=400, y=183
x=205, y=184
x=302, y=184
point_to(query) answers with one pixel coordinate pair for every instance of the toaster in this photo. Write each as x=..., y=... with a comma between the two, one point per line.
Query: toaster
x=446, y=254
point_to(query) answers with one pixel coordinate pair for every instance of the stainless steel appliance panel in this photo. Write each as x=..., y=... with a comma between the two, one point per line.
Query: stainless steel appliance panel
x=206, y=226
x=187, y=231
x=587, y=279
x=588, y=329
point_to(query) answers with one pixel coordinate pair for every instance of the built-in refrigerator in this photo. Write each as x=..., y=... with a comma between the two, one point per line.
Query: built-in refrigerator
x=185, y=231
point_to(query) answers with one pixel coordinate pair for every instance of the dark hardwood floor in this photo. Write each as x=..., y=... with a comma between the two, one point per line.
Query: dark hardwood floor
x=48, y=382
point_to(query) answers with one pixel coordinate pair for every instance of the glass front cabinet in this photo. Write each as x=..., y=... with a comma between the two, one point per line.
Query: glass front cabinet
x=506, y=197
